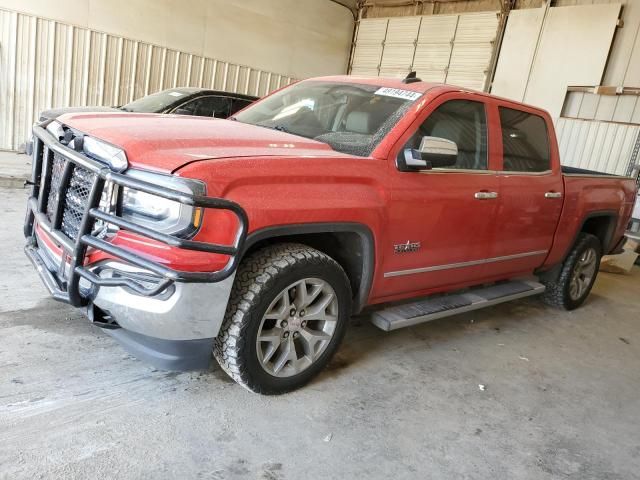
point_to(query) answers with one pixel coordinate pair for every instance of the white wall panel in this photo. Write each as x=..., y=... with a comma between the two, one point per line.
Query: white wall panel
x=433, y=50
x=455, y=49
x=573, y=50
x=402, y=30
x=517, y=52
x=622, y=69
x=399, y=46
x=367, y=53
x=601, y=146
x=541, y=56
x=45, y=64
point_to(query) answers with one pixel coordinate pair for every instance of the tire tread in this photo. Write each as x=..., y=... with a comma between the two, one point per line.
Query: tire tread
x=256, y=271
x=556, y=294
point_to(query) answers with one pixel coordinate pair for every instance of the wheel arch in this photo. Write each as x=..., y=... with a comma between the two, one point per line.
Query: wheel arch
x=349, y=244
x=602, y=225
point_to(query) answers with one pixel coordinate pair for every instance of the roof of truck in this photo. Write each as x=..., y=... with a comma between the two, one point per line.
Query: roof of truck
x=390, y=82
x=420, y=87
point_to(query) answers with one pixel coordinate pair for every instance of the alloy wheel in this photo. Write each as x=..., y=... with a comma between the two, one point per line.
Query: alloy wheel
x=583, y=273
x=297, y=327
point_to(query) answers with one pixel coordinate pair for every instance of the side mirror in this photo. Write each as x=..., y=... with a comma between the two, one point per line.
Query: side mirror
x=434, y=152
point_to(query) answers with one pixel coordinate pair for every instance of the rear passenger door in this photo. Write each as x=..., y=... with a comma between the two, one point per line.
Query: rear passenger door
x=530, y=191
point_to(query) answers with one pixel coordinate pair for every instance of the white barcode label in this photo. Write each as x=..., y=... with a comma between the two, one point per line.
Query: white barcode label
x=398, y=93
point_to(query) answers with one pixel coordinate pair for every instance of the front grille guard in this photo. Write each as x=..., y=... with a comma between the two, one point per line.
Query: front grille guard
x=44, y=146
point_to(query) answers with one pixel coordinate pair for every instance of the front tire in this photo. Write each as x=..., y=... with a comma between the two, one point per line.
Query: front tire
x=286, y=317
x=578, y=274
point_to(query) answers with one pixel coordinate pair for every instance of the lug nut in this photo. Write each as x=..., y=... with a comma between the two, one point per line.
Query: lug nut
x=283, y=323
x=285, y=334
x=292, y=312
x=295, y=334
x=303, y=324
x=302, y=313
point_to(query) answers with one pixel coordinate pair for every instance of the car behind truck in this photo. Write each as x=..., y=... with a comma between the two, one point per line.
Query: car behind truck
x=259, y=236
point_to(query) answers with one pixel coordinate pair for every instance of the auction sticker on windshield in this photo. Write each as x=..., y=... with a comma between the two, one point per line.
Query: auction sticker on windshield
x=398, y=93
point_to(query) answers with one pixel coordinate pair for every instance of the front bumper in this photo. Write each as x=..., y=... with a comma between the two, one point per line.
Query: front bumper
x=184, y=311
x=161, y=314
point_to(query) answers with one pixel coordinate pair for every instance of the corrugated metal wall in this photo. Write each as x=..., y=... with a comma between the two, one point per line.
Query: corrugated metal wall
x=45, y=64
x=455, y=49
x=601, y=146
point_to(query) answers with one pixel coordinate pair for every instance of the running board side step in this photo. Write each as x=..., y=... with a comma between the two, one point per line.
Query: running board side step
x=432, y=308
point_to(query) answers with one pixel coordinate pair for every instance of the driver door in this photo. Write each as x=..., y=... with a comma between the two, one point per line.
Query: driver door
x=445, y=216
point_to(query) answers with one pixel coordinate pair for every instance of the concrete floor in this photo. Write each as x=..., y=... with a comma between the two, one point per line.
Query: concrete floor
x=15, y=168
x=561, y=398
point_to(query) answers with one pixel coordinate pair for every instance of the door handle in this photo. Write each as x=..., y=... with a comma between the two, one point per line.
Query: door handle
x=553, y=195
x=485, y=195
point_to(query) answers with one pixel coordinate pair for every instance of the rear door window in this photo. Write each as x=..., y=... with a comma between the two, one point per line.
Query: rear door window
x=525, y=141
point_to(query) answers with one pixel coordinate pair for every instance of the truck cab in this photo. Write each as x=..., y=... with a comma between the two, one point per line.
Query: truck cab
x=259, y=236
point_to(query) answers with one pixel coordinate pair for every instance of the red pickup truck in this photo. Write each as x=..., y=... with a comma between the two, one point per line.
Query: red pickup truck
x=259, y=236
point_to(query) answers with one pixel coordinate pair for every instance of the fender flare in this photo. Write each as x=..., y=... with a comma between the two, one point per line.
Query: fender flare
x=363, y=231
x=608, y=237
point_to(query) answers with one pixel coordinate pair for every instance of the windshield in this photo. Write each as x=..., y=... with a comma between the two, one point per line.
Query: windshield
x=154, y=103
x=351, y=118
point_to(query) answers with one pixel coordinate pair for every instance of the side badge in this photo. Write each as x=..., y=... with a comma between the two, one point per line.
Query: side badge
x=407, y=247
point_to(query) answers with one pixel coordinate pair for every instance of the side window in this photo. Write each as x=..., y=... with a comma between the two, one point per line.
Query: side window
x=463, y=122
x=239, y=104
x=525, y=141
x=218, y=107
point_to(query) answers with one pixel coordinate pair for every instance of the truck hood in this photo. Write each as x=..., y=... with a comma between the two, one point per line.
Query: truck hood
x=167, y=142
x=56, y=112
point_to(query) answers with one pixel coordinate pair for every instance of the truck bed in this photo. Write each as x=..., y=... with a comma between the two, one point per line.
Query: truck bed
x=566, y=170
x=589, y=194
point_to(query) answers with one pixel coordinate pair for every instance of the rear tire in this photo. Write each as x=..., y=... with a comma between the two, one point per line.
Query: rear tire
x=578, y=274
x=287, y=314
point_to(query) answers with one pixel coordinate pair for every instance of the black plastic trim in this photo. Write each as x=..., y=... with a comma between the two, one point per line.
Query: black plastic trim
x=172, y=355
x=553, y=272
x=368, y=254
x=619, y=248
x=606, y=246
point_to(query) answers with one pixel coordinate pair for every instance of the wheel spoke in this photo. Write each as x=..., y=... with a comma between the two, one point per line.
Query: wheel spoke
x=313, y=338
x=301, y=294
x=274, y=338
x=317, y=311
x=288, y=355
x=578, y=288
x=315, y=291
x=287, y=348
x=280, y=309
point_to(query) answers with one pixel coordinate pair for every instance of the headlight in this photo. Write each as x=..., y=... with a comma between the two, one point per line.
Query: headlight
x=99, y=150
x=158, y=213
x=104, y=152
x=55, y=129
